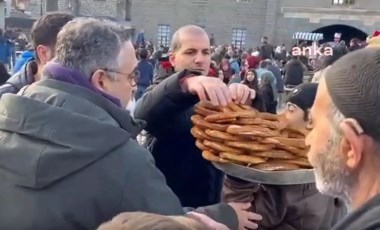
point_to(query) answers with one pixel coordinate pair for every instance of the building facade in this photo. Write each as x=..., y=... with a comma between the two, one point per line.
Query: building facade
x=244, y=22
x=239, y=22
x=101, y=8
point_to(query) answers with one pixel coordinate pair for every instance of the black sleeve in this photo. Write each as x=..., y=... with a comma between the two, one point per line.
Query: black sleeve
x=162, y=102
x=258, y=103
x=271, y=93
x=265, y=95
x=286, y=68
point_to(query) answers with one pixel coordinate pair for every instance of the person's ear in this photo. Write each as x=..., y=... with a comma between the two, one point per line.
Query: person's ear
x=352, y=144
x=100, y=80
x=309, y=122
x=172, y=58
x=43, y=54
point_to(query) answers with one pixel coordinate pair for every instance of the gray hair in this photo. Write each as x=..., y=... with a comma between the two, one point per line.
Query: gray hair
x=336, y=118
x=87, y=44
x=125, y=33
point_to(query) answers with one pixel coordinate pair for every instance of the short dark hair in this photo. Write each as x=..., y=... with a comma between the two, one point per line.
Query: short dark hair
x=264, y=64
x=45, y=30
x=143, y=54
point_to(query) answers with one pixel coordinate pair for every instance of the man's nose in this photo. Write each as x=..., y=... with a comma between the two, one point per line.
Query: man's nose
x=199, y=58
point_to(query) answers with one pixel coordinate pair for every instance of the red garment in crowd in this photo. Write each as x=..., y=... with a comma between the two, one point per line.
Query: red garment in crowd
x=376, y=33
x=212, y=73
x=166, y=65
x=253, y=62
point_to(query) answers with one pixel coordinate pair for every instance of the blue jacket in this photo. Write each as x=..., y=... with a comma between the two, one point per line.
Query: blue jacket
x=146, y=73
x=279, y=81
x=5, y=50
x=24, y=58
x=235, y=66
x=140, y=39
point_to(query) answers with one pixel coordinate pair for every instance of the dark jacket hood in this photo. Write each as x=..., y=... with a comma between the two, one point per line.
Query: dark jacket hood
x=55, y=129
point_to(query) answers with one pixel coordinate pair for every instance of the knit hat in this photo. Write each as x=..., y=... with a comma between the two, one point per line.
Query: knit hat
x=353, y=83
x=303, y=95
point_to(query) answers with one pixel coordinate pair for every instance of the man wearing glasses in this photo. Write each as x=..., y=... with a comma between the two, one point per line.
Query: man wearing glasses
x=126, y=80
x=68, y=155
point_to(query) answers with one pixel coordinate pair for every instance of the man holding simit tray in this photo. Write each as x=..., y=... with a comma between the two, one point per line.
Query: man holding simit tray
x=289, y=207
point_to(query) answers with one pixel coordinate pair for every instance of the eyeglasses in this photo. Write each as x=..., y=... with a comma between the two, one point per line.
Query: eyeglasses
x=132, y=78
x=291, y=106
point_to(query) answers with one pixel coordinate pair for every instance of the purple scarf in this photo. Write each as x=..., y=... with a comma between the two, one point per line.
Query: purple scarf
x=58, y=72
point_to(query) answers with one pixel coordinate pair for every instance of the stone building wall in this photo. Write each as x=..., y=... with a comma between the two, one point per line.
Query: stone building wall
x=277, y=19
x=86, y=7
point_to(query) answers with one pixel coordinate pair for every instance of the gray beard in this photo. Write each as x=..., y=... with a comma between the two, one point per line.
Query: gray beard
x=333, y=178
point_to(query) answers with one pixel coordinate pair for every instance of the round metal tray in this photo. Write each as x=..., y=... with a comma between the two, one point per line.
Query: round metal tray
x=302, y=176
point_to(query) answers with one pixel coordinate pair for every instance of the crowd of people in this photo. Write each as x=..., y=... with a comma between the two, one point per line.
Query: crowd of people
x=69, y=158
x=279, y=69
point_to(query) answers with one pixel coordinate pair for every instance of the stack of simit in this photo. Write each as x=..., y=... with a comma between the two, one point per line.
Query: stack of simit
x=241, y=135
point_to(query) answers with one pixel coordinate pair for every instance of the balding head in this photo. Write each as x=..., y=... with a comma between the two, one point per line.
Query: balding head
x=182, y=32
x=190, y=49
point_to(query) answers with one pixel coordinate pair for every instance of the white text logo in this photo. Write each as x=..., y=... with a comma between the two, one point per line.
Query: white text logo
x=312, y=51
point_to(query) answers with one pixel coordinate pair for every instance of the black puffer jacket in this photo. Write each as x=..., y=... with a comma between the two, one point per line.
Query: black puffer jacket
x=167, y=111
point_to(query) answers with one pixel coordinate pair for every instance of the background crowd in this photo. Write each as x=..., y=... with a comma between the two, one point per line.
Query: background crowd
x=69, y=158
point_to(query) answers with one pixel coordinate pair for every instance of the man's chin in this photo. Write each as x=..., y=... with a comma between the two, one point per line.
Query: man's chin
x=321, y=185
x=332, y=188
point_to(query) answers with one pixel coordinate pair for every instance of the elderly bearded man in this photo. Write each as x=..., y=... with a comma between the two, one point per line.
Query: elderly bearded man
x=345, y=140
